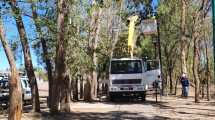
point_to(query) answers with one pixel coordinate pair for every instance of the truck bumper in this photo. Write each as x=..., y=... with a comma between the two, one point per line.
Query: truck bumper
x=127, y=93
x=128, y=88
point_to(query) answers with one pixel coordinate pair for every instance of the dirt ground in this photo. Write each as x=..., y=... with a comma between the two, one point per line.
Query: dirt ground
x=168, y=108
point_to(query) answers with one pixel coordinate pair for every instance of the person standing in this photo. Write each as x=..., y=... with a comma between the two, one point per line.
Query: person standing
x=185, y=85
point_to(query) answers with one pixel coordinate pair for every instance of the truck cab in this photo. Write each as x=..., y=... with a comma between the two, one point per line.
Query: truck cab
x=132, y=77
x=152, y=73
x=126, y=78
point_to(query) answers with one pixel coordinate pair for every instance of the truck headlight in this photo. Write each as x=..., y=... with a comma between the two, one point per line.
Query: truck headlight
x=113, y=89
x=139, y=88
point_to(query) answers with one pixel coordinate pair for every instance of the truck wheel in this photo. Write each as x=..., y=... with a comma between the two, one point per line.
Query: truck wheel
x=143, y=96
x=23, y=100
x=111, y=97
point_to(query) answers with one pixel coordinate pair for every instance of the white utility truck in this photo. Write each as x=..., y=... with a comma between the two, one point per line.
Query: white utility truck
x=131, y=77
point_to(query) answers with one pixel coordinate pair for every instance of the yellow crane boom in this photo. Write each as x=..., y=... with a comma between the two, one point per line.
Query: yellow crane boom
x=131, y=30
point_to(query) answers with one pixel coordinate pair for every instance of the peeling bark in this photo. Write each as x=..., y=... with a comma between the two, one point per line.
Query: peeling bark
x=44, y=48
x=61, y=91
x=195, y=70
x=95, y=25
x=27, y=56
x=183, y=38
x=15, y=90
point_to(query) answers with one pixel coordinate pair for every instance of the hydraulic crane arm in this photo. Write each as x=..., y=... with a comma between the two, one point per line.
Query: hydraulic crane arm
x=131, y=30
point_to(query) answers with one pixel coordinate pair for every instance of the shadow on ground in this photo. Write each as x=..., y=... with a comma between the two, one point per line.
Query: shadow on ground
x=129, y=101
x=113, y=115
x=124, y=114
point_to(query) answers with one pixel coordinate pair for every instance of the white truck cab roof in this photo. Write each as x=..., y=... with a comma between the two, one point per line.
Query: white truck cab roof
x=117, y=59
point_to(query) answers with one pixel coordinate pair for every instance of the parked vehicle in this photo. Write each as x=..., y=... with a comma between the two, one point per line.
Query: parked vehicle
x=152, y=73
x=1, y=77
x=131, y=77
x=26, y=90
x=126, y=78
x=4, y=90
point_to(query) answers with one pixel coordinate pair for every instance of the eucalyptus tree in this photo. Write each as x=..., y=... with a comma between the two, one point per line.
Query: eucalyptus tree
x=183, y=36
x=61, y=85
x=207, y=32
x=200, y=12
x=15, y=90
x=27, y=55
x=169, y=18
x=44, y=43
x=94, y=38
x=186, y=42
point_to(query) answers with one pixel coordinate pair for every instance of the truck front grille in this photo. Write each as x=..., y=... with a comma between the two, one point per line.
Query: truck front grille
x=127, y=81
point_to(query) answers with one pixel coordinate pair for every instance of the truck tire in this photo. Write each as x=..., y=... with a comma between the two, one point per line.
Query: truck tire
x=23, y=100
x=143, y=96
x=112, y=97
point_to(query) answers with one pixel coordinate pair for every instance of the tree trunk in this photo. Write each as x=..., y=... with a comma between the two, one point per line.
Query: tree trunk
x=61, y=84
x=87, y=89
x=207, y=71
x=44, y=48
x=93, y=40
x=170, y=80
x=65, y=95
x=54, y=105
x=95, y=59
x=94, y=77
x=176, y=85
x=75, y=89
x=199, y=17
x=183, y=38
x=27, y=57
x=15, y=90
x=115, y=37
x=81, y=88
x=203, y=89
x=195, y=69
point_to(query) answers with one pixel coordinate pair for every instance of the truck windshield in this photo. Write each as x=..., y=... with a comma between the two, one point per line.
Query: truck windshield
x=126, y=67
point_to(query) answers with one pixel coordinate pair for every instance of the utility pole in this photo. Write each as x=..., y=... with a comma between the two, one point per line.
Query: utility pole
x=213, y=11
x=160, y=57
x=159, y=52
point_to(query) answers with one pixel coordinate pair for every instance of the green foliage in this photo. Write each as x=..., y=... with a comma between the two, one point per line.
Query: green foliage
x=78, y=59
x=121, y=49
x=41, y=74
x=78, y=56
x=146, y=48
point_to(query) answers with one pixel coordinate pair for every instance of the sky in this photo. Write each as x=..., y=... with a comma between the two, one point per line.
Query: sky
x=12, y=35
